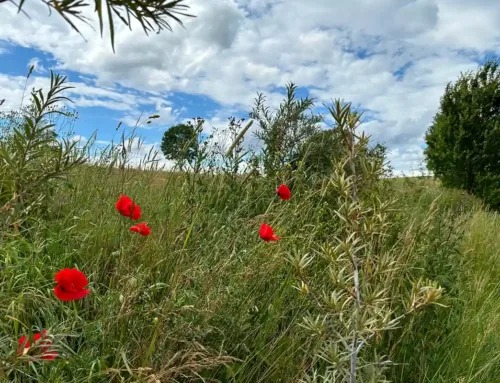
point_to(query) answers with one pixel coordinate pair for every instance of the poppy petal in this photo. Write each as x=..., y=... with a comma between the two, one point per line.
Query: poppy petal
x=145, y=230
x=141, y=228
x=23, y=344
x=50, y=355
x=284, y=192
x=124, y=205
x=71, y=280
x=69, y=296
x=136, y=212
x=267, y=233
x=47, y=354
x=79, y=279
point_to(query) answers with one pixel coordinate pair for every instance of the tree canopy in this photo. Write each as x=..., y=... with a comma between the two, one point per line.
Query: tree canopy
x=464, y=139
x=179, y=144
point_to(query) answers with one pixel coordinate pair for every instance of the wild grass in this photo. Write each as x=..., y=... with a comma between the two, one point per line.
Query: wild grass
x=373, y=280
x=204, y=299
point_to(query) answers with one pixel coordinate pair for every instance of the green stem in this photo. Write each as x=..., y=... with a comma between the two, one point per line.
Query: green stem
x=269, y=207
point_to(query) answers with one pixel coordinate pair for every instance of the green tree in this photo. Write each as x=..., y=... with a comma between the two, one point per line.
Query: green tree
x=284, y=131
x=463, y=140
x=179, y=144
x=153, y=15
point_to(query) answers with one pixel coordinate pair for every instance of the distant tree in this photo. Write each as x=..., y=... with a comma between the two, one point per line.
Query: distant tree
x=464, y=139
x=284, y=131
x=153, y=15
x=179, y=144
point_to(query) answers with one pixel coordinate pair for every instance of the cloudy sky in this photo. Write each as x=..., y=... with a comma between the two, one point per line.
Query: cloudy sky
x=390, y=57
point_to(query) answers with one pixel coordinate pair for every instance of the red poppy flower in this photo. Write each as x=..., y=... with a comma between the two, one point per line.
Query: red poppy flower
x=71, y=285
x=141, y=228
x=47, y=354
x=283, y=192
x=128, y=208
x=267, y=233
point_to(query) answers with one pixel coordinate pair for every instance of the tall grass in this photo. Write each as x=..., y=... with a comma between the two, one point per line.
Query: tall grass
x=204, y=298
x=382, y=279
x=459, y=343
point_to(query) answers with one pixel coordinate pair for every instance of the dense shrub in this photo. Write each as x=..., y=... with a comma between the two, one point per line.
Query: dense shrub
x=462, y=143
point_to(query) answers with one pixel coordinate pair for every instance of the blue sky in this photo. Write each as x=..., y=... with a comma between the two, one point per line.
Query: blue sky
x=16, y=61
x=392, y=58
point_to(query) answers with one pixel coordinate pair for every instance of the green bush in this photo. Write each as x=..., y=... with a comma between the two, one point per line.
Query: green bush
x=32, y=156
x=462, y=143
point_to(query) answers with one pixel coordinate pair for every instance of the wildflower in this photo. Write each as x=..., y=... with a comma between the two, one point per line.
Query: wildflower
x=141, y=228
x=71, y=285
x=128, y=208
x=267, y=233
x=283, y=192
x=24, y=345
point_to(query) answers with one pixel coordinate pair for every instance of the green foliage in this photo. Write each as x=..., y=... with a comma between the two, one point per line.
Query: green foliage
x=320, y=151
x=227, y=307
x=351, y=276
x=284, y=131
x=153, y=15
x=456, y=240
x=462, y=143
x=324, y=148
x=31, y=153
x=180, y=143
x=354, y=290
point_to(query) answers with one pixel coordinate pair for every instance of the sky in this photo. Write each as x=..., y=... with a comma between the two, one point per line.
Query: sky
x=391, y=58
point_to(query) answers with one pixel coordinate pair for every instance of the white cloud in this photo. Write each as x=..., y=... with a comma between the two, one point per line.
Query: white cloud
x=84, y=95
x=78, y=138
x=36, y=63
x=12, y=89
x=103, y=142
x=144, y=155
x=234, y=48
x=168, y=116
x=407, y=161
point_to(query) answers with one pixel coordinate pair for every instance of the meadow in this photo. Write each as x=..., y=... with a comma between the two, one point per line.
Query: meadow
x=373, y=278
x=203, y=298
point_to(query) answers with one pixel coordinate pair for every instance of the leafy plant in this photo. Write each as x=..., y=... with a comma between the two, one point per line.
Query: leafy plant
x=323, y=149
x=462, y=142
x=356, y=301
x=31, y=153
x=284, y=131
x=153, y=15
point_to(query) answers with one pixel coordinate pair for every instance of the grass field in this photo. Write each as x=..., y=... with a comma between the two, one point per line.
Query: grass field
x=205, y=299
